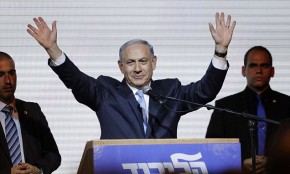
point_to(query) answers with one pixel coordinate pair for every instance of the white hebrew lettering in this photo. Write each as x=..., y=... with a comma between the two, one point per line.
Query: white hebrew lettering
x=188, y=163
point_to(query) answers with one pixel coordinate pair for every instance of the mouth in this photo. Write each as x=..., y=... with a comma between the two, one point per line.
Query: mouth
x=8, y=89
x=138, y=77
x=258, y=78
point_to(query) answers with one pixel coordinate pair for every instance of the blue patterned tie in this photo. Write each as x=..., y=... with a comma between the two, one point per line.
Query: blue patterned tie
x=142, y=103
x=12, y=137
x=261, y=127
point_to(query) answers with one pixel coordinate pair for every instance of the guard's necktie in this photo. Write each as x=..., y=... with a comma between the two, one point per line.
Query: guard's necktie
x=261, y=126
x=142, y=103
x=12, y=136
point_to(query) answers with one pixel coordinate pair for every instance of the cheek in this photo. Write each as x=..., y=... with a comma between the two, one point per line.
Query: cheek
x=150, y=73
x=14, y=81
x=126, y=70
x=250, y=73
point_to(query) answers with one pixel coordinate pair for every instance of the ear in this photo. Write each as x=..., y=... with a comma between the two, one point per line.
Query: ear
x=244, y=71
x=272, y=72
x=121, y=66
x=154, y=62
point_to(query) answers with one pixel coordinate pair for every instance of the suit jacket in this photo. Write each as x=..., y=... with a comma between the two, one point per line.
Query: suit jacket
x=119, y=112
x=226, y=125
x=39, y=146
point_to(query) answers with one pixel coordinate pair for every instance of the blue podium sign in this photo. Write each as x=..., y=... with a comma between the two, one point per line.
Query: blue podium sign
x=165, y=156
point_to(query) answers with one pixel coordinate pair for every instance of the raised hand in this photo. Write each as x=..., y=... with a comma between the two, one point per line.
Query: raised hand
x=222, y=35
x=45, y=37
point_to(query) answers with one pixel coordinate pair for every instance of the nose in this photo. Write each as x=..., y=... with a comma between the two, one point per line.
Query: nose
x=7, y=78
x=259, y=69
x=137, y=67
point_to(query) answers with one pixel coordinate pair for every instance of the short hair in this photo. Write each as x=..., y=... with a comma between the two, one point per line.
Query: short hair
x=257, y=48
x=5, y=55
x=132, y=42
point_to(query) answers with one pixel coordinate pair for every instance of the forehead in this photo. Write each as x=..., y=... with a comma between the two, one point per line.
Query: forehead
x=6, y=64
x=258, y=56
x=136, y=51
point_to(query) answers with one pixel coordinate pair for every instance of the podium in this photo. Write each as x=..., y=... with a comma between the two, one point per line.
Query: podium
x=163, y=156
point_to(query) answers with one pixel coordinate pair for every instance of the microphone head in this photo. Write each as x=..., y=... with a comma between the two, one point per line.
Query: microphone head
x=146, y=89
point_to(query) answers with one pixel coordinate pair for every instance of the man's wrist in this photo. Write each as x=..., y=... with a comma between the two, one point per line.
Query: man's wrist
x=54, y=52
x=60, y=60
x=220, y=54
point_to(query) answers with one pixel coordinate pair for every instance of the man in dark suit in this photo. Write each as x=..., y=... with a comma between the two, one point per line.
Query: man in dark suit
x=258, y=70
x=36, y=148
x=114, y=102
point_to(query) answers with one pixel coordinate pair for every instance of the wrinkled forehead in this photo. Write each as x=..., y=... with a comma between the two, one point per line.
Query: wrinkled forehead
x=135, y=42
x=137, y=51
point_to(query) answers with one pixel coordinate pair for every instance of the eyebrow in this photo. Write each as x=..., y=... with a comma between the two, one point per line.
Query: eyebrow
x=11, y=70
x=138, y=58
x=259, y=64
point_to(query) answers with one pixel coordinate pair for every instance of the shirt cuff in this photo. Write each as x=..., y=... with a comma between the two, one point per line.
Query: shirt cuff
x=60, y=60
x=220, y=63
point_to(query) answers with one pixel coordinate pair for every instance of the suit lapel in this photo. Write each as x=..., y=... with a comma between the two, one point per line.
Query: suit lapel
x=242, y=105
x=23, y=120
x=3, y=143
x=152, y=114
x=127, y=93
x=154, y=107
x=271, y=101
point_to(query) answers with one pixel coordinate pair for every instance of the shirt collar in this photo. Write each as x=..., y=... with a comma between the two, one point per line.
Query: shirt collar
x=252, y=94
x=12, y=104
x=134, y=90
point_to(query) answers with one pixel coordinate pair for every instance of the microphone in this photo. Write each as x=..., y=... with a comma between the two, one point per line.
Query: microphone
x=148, y=90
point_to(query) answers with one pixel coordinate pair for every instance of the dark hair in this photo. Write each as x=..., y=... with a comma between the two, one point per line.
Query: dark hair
x=257, y=48
x=5, y=55
x=132, y=42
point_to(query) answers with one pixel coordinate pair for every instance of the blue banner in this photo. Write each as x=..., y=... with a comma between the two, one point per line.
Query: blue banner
x=167, y=158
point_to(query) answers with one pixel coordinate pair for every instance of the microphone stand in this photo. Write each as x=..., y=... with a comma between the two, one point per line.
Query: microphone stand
x=209, y=107
x=253, y=128
x=250, y=117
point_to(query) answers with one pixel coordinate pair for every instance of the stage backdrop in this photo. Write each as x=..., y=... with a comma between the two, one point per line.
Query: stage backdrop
x=90, y=32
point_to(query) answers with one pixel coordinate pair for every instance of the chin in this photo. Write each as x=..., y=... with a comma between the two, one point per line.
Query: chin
x=138, y=84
